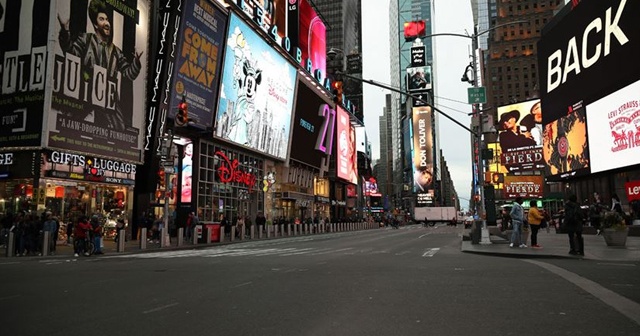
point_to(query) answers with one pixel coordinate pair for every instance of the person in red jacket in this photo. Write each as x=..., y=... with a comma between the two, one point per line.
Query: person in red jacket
x=81, y=234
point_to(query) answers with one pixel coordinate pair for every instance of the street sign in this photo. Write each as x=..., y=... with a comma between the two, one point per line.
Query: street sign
x=477, y=95
x=169, y=170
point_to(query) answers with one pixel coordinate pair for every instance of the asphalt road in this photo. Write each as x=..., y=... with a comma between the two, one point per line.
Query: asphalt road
x=412, y=281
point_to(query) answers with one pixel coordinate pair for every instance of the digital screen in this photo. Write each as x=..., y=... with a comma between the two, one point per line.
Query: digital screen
x=520, y=136
x=566, y=150
x=187, y=173
x=346, y=158
x=419, y=78
x=530, y=186
x=614, y=129
x=312, y=37
x=256, y=95
x=99, y=77
x=422, y=149
x=198, y=61
x=371, y=187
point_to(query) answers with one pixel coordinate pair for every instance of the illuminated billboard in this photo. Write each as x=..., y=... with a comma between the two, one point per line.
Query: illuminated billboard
x=422, y=149
x=312, y=38
x=346, y=155
x=531, y=186
x=614, y=129
x=256, y=95
x=23, y=60
x=566, y=150
x=419, y=78
x=520, y=136
x=371, y=187
x=99, y=82
x=198, y=61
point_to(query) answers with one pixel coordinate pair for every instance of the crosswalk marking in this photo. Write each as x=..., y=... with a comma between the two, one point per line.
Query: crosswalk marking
x=430, y=253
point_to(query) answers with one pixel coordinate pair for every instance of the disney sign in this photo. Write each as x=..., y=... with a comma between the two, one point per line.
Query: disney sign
x=228, y=171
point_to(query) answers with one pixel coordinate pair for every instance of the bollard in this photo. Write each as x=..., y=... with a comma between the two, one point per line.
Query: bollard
x=46, y=240
x=232, y=234
x=306, y=229
x=143, y=238
x=11, y=245
x=209, y=231
x=180, y=236
x=241, y=233
x=260, y=229
x=268, y=228
x=288, y=230
x=122, y=238
x=163, y=240
x=252, y=231
x=275, y=231
x=222, y=234
x=296, y=229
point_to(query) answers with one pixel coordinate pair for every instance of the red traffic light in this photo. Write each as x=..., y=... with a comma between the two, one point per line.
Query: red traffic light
x=182, y=117
x=337, y=91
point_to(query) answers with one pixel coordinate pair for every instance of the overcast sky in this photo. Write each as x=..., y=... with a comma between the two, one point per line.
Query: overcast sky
x=451, y=58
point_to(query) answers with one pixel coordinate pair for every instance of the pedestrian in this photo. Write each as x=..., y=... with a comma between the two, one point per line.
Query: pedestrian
x=51, y=227
x=120, y=225
x=595, y=214
x=80, y=235
x=188, y=227
x=517, y=221
x=573, y=223
x=615, y=205
x=225, y=224
x=260, y=221
x=534, y=218
x=239, y=227
x=96, y=230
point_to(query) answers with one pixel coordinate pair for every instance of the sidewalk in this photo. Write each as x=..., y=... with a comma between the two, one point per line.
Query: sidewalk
x=557, y=246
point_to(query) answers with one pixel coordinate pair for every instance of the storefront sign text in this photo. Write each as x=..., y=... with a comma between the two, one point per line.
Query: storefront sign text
x=229, y=172
x=6, y=159
x=633, y=190
x=95, y=166
x=340, y=203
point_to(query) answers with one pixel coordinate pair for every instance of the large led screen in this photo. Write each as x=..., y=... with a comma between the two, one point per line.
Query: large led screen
x=531, y=186
x=520, y=136
x=99, y=81
x=566, y=150
x=256, y=95
x=198, y=61
x=371, y=187
x=346, y=156
x=312, y=37
x=23, y=67
x=614, y=129
x=313, y=128
x=422, y=149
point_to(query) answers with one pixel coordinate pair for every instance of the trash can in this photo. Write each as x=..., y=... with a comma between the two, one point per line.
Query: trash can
x=476, y=232
x=202, y=230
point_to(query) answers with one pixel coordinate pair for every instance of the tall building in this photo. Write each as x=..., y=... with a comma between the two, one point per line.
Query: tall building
x=384, y=171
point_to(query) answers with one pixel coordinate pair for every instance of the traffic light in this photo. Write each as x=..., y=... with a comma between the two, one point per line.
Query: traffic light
x=161, y=178
x=182, y=117
x=337, y=92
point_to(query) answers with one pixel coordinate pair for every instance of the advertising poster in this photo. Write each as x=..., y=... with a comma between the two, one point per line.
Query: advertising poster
x=632, y=189
x=614, y=129
x=256, y=95
x=313, y=125
x=187, y=173
x=198, y=61
x=371, y=187
x=312, y=37
x=265, y=12
x=346, y=156
x=422, y=149
x=524, y=186
x=520, y=136
x=418, y=56
x=99, y=70
x=419, y=78
x=23, y=69
x=566, y=150
x=590, y=53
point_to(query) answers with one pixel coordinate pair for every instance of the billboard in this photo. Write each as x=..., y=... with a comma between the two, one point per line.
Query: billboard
x=419, y=78
x=614, y=129
x=99, y=67
x=595, y=38
x=187, y=173
x=313, y=127
x=371, y=187
x=524, y=186
x=566, y=150
x=346, y=155
x=23, y=68
x=256, y=95
x=422, y=149
x=520, y=136
x=198, y=61
x=312, y=38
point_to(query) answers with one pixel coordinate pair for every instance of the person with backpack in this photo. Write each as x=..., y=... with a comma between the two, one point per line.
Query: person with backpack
x=517, y=221
x=573, y=223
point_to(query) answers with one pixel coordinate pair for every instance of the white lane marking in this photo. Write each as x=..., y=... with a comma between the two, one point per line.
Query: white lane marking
x=160, y=308
x=300, y=251
x=403, y=253
x=331, y=251
x=242, y=284
x=431, y=252
x=426, y=234
x=615, y=264
x=620, y=303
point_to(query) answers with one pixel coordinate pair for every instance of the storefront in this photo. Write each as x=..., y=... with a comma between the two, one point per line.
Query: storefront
x=19, y=171
x=228, y=182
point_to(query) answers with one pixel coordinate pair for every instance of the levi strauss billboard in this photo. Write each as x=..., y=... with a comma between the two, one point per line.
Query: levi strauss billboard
x=256, y=95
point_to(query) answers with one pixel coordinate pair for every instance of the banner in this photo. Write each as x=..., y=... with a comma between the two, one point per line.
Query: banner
x=346, y=156
x=422, y=149
x=198, y=61
x=99, y=69
x=256, y=95
x=531, y=186
x=566, y=150
x=23, y=69
x=614, y=129
x=520, y=137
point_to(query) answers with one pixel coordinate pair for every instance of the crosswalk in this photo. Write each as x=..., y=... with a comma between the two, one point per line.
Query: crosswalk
x=275, y=251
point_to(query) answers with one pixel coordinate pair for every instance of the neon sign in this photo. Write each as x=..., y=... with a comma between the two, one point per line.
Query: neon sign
x=229, y=172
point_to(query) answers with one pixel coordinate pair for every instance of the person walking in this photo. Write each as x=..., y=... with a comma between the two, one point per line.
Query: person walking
x=517, y=221
x=80, y=235
x=189, y=227
x=261, y=221
x=573, y=223
x=50, y=225
x=535, y=218
x=96, y=228
x=615, y=205
x=595, y=212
